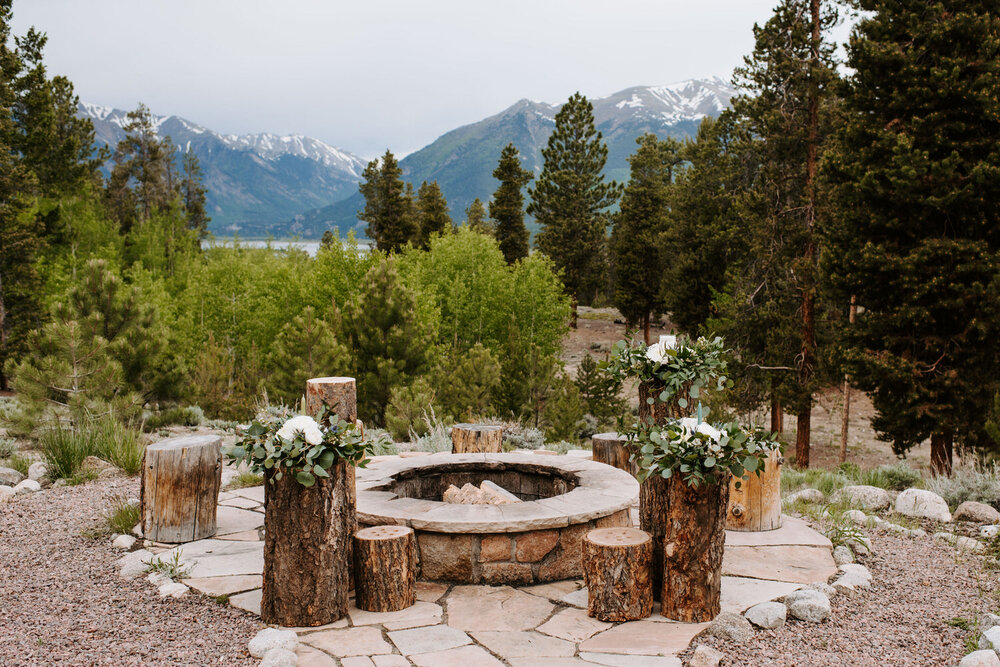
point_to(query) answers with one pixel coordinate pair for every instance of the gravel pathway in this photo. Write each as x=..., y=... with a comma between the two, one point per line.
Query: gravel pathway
x=919, y=585
x=61, y=601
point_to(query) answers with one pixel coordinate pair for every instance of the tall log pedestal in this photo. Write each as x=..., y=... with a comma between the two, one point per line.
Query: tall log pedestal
x=476, y=439
x=180, y=488
x=616, y=570
x=385, y=568
x=613, y=449
x=308, y=530
x=756, y=505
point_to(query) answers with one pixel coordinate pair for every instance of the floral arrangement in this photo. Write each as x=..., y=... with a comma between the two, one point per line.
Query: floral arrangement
x=701, y=453
x=280, y=444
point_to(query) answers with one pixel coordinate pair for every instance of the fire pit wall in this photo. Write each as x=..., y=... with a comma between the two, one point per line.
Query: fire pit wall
x=536, y=540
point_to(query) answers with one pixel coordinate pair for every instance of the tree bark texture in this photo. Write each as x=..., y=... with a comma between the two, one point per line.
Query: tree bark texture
x=802, y=432
x=614, y=450
x=179, y=491
x=658, y=412
x=385, y=568
x=941, y=454
x=845, y=423
x=308, y=531
x=777, y=416
x=476, y=438
x=616, y=569
x=756, y=505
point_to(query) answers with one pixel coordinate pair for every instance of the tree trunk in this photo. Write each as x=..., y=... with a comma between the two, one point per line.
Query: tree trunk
x=802, y=430
x=845, y=423
x=385, y=568
x=941, y=454
x=756, y=505
x=573, y=312
x=657, y=412
x=777, y=416
x=308, y=530
x=476, y=438
x=616, y=569
x=645, y=328
x=614, y=450
x=179, y=491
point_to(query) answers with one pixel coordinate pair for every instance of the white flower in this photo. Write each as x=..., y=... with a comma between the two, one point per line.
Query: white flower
x=303, y=424
x=691, y=425
x=658, y=351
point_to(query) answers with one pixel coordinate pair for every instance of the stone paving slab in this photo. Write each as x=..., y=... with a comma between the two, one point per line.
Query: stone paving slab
x=421, y=613
x=528, y=644
x=345, y=643
x=573, y=625
x=249, y=601
x=464, y=656
x=428, y=640
x=234, y=520
x=240, y=502
x=255, y=493
x=216, y=586
x=310, y=657
x=218, y=558
x=741, y=593
x=502, y=608
x=245, y=536
x=631, y=660
x=794, y=564
x=793, y=531
x=644, y=638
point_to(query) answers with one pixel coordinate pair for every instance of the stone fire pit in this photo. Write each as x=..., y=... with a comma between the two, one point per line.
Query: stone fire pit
x=535, y=540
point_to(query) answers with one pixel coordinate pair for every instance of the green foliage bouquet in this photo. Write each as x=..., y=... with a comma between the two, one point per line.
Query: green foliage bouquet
x=300, y=445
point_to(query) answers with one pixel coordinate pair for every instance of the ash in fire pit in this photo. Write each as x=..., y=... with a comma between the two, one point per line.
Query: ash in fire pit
x=486, y=493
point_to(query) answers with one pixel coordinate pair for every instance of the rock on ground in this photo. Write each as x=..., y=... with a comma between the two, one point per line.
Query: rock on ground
x=6, y=493
x=768, y=615
x=279, y=657
x=10, y=477
x=27, y=486
x=923, y=504
x=808, y=605
x=705, y=656
x=133, y=564
x=976, y=512
x=986, y=532
x=990, y=639
x=824, y=588
x=733, y=627
x=981, y=658
x=868, y=497
x=806, y=495
x=856, y=516
x=842, y=554
x=123, y=542
x=272, y=638
x=37, y=471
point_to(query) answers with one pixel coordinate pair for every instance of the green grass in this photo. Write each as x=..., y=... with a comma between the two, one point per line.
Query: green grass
x=119, y=517
x=118, y=444
x=64, y=449
x=18, y=463
x=8, y=447
x=171, y=567
x=246, y=479
x=188, y=416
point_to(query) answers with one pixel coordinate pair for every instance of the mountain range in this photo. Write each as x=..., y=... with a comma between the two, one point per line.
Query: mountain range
x=263, y=184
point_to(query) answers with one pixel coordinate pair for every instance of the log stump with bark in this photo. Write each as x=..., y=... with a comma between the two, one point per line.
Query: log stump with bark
x=385, y=568
x=476, y=439
x=616, y=569
x=614, y=450
x=308, y=531
x=180, y=488
x=756, y=504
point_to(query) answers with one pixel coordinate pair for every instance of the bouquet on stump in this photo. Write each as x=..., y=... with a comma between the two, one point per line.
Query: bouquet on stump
x=685, y=465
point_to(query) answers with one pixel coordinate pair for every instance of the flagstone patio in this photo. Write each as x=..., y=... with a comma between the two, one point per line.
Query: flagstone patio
x=466, y=625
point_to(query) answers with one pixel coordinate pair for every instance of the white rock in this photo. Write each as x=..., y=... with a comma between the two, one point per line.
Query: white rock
x=808, y=605
x=27, y=486
x=917, y=532
x=767, y=615
x=923, y=504
x=842, y=554
x=824, y=588
x=705, y=656
x=860, y=545
x=158, y=579
x=969, y=544
x=172, y=590
x=856, y=516
x=732, y=627
x=133, y=564
x=272, y=638
x=279, y=657
x=990, y=639
x=989, y=532
x=857, y=570
x=137, y=530
x=982, y=658
x=976, y=512
x=868, y=497
x=805, y=495
x=10, y=476
x=123, y=542
x=37, y=471
x=6, y=493
x=988, y=621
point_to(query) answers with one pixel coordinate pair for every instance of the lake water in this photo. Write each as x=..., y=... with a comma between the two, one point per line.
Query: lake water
x=311, y=247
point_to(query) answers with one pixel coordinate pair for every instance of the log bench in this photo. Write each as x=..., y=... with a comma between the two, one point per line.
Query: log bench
x=180, y=488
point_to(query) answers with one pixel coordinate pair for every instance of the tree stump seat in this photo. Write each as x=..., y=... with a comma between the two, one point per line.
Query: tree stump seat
x=180, y=488
x=616, y=569
x=756, y=505
x=385, y=568
x=614, y=450
x=476, y=439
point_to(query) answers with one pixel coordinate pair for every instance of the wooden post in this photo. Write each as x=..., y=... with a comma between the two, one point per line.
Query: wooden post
x=308, y=531
x=385, y=568
x=476, y=438
x=756, y=505
x=613, y=449
x=616, y=565
x=180, y=488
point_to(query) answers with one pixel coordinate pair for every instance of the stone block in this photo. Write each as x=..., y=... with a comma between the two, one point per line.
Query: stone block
x=494, y=548
x=534, y=546
x=447, y=557
x=506, y=573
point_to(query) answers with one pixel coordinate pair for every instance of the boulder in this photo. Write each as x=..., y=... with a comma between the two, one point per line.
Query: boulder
x=705, y=656
x=768, y=615
x=158, y=579
x=6, y=493
x=272, y=638
x=989, y=532
x=133, y=564
x=27, y=486
x=808, y=605
x=123, y=542
x=38, y=471
x=856, y=516
x=172, y=590
x=842, y=554
x=990, y=640
x=279, y=657
x=969, y=544
x=868, y=497
x=988, y=621
x=9, y=476
x=806, y=495
x=976, y=512
x=923, y=504
x=982, y=658
x=824, y=588
x=732, y=627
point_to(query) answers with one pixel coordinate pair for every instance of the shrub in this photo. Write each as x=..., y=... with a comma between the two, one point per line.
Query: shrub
x=122, y=515
x=438, y=437
x=968, y=483
x=64, y=449
x=187, y=416
x=18, y=463
x=895, y=477
x=7, y=447
x=117, y=443
x=245, y=480
x=407, y=409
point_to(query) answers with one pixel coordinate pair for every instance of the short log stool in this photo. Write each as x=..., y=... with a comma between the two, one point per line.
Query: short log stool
x=385, y=568
x=616, y=569
x=756, y=505
x=180, y=488
x=613, y=449
x=476, y=438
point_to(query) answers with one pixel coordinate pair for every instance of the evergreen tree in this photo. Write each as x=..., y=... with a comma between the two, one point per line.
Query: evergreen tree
x=433, y=212
x=307, y=347
x=570, y=200
x=466, y=385
x=476, y=220
x=193, y=194
x=637, y=227
x=915, y=176
x=391, y=342
x=411, y=410
x=507, y=207
x=563, y=410
x=599, y=392
x=389, y=214
x=140, y=182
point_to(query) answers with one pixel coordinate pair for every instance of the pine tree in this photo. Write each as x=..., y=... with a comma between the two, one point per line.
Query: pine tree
x=433, y=212
x=507, y=207
x=306, y=347
x=390, y=342
x=467, y=384
x=389, y=214
x=476, y=220
x=599, y=392
x=637, y=227
x=570, y=200
x=563, y=410
x=193, y=193
x=914, y=175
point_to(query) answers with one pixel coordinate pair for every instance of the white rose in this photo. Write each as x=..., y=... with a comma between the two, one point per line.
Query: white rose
x=658, y=351
x=305, y=425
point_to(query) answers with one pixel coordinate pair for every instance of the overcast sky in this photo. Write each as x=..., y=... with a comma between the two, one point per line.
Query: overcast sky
x=365, y=75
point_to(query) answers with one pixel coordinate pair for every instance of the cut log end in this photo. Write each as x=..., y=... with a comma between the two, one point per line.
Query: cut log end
x=618, y=537
x=476, y=439
x=616, y=569
x=385, y=568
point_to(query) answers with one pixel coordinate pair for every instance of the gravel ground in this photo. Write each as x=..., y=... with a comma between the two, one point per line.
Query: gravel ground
x=61, y=601
x=919, y=585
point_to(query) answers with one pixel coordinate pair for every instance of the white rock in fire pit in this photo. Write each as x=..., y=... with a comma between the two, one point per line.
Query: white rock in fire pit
x=487, y=493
